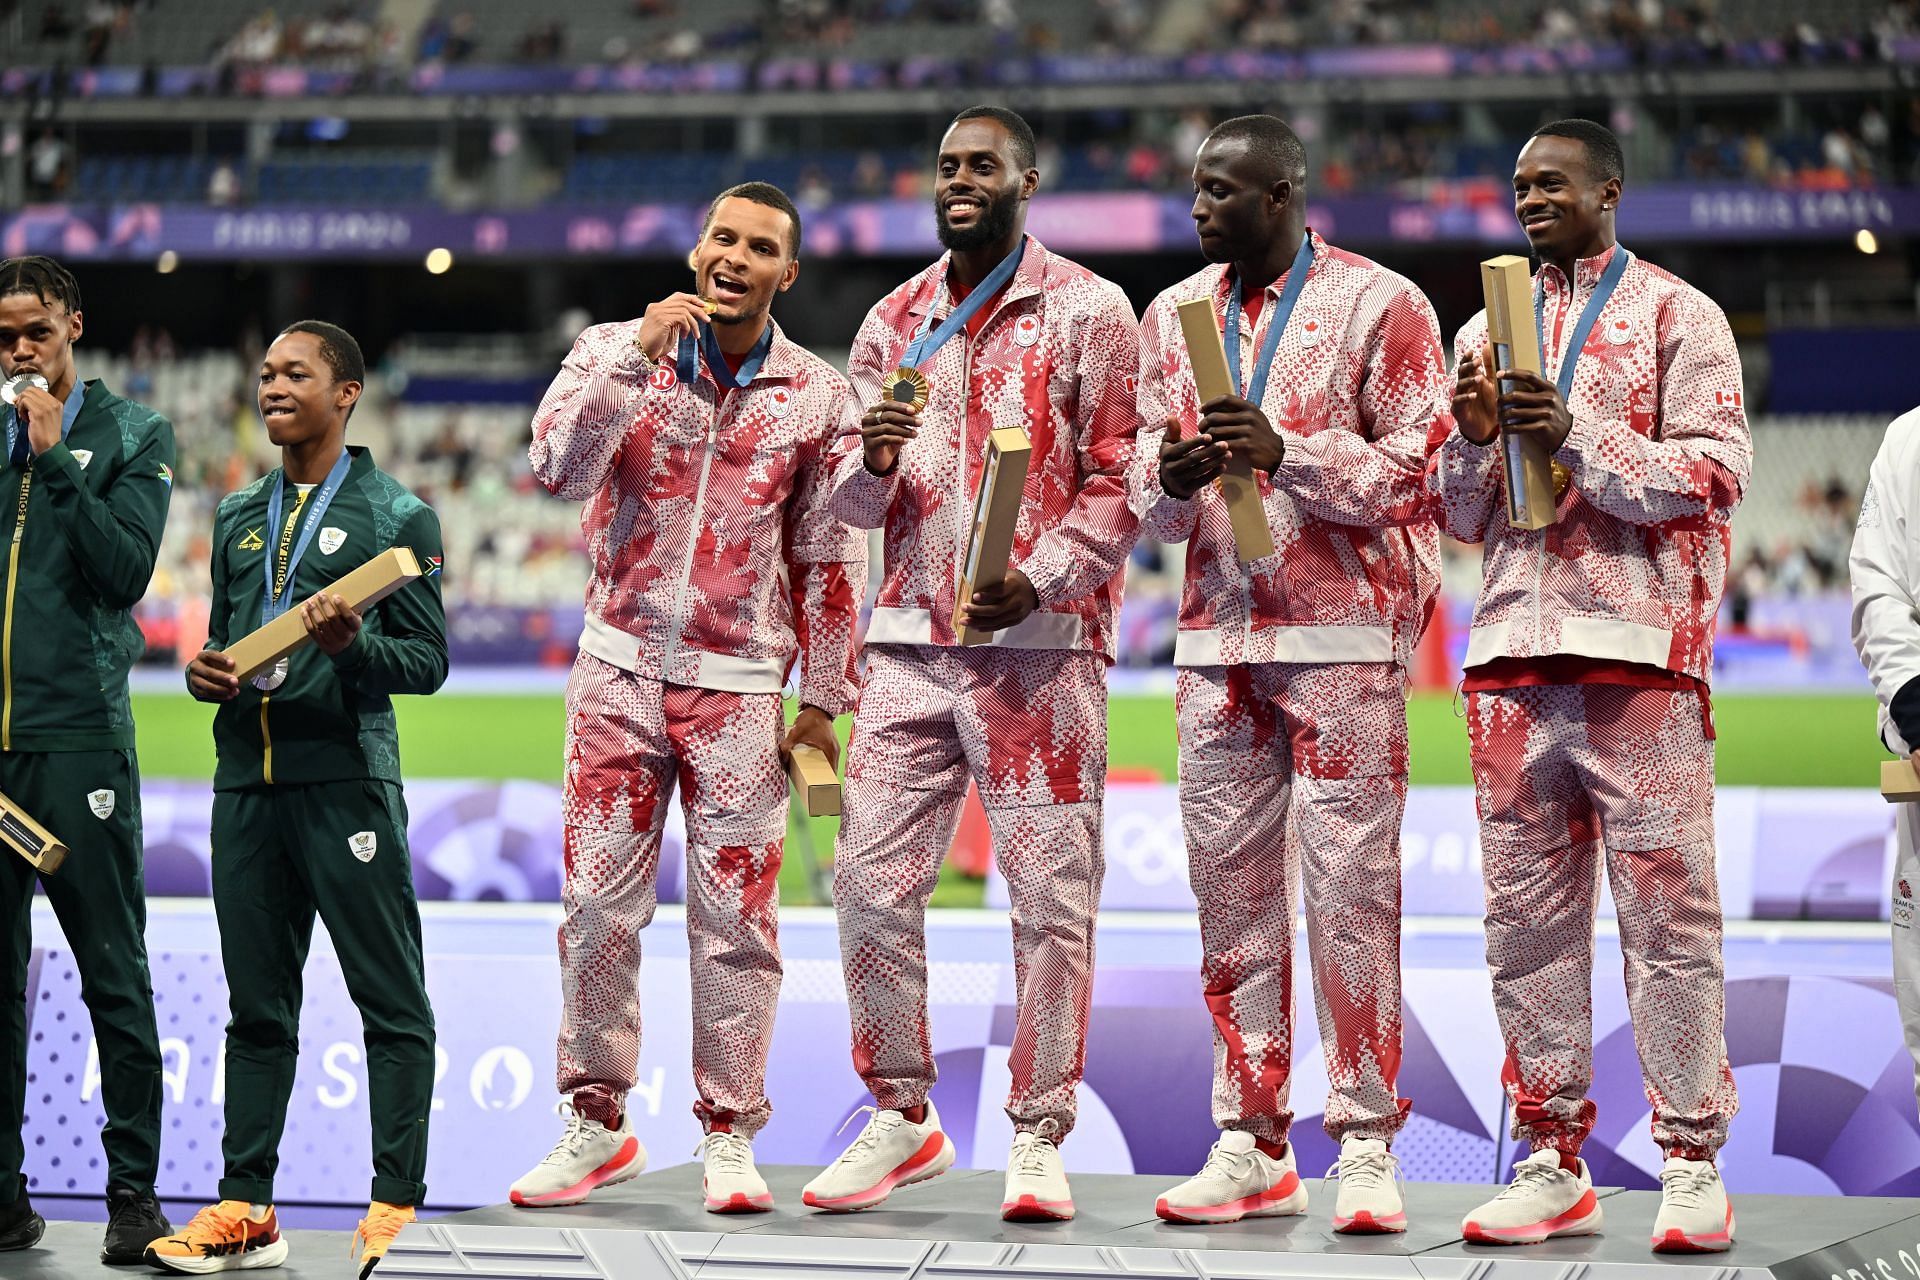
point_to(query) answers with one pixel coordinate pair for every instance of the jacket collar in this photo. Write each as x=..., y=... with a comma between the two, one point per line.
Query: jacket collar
x=360, y=462
x=1586, y=272
x=1225, y=282
x=1028, y=281
x=785, y=357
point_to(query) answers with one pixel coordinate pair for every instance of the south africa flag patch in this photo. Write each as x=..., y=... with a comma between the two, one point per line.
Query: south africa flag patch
x=433, y=566
x=166, y=475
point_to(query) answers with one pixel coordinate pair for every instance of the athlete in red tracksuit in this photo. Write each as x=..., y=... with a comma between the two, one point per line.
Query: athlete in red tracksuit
x=1292, y=669
x=1587, y=699
x=1051, y=348
x=717, y=567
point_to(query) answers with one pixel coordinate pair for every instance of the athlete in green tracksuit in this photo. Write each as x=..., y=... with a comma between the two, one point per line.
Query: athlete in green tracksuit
x=86, y=481
x=308, y=815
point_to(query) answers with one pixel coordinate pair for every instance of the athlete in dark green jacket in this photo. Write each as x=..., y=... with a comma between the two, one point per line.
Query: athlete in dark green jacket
x=308, y=816
x=84, y=493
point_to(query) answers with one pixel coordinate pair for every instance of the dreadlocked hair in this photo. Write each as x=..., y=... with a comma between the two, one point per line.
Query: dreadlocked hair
x=42, y=277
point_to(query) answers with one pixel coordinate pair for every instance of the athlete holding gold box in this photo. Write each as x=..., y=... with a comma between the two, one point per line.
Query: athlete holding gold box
x=308, y=815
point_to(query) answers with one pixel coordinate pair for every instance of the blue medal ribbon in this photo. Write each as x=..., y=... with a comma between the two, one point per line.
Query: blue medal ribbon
x=926, y=342
x=17, y=449
x=273, y=606
x=1609, y=280
x=1289, y=294
x=687, y=362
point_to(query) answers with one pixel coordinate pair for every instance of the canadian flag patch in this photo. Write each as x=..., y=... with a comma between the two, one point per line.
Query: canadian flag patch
x=1726, y=399
x=1619, y=329
x=1026, y=330
x=664, y=378
x=780, y=402
x=1309, y=332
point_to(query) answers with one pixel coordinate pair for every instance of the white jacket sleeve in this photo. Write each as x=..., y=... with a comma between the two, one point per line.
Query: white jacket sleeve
x=1886, y=611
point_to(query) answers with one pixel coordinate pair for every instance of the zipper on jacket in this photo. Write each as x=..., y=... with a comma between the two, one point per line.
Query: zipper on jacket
x=1562, y=310
x=13, y=582
x=693, y=545
x=266, y=741
x=965, y=492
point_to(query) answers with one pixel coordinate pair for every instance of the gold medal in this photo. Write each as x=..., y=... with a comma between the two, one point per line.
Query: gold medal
x=711, y=305
x=909, y=387
x=1562, y=477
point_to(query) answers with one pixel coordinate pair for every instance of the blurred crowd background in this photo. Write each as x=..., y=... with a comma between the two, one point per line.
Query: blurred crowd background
x=214, y=169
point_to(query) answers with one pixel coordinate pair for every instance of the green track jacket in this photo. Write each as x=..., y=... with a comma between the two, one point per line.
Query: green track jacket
x=84, y=521
x=332, y=721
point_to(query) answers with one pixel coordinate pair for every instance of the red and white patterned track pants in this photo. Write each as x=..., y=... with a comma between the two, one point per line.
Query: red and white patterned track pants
x=1029, y=727
x=629, y=739
x=1559, y=769
x=1292, y=770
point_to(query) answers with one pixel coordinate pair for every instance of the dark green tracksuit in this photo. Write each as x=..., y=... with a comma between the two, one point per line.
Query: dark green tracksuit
x=308, y=817
x=84, y=521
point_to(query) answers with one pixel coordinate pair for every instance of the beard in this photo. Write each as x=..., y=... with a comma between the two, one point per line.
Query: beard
x=994, y=224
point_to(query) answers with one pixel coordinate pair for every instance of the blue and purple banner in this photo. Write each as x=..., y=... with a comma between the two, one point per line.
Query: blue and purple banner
x=1088, y=223
x=1784, y=853
x=1826, y=1085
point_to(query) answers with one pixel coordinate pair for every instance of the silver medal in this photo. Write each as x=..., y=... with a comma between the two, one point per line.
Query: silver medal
x=10, y=389
x=273, y=679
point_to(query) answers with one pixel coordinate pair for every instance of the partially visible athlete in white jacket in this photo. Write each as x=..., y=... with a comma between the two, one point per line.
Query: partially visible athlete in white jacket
x=1885, y=567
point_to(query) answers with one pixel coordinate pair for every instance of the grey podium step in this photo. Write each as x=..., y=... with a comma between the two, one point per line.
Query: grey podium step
x=654, y=1228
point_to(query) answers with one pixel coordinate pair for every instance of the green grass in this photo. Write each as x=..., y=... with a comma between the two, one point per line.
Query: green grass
x=1811, y=740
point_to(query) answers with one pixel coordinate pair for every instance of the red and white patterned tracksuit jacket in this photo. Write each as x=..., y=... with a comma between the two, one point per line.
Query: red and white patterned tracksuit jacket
x=1629, y=578
x=1292, y=687
x=716, y=566
x=1025, y=717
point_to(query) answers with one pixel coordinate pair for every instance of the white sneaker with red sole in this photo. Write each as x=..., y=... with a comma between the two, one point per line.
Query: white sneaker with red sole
x=588, y=1155
x=1036, y=1188
x=891, y=1151
x=1542, y=1201
x=732, y=1184
x=1369, y=1202
x=1237, y=1181
x=1694, y=1214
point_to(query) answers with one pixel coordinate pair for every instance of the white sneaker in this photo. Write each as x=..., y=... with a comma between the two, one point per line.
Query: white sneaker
x=1036, y=1181
x=1695, y=1216
x=1369, y=1201
x=890, y=1152
x=588, y=1155
x=732, y=1184
x=1236, y=1182
x=1543, y=1201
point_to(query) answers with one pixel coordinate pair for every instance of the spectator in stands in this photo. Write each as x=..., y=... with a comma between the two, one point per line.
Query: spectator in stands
x=47, y=173
x=223, y=186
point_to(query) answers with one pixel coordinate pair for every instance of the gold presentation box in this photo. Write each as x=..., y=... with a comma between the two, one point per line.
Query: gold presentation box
x=1898, y=782
x=20, y=833
x=996, y=515
x=362, y=588
x=1507, y=282
x=1252, y=536
x=814, y=781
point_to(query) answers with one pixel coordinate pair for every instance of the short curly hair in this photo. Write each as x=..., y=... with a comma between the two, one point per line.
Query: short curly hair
x=42, y=277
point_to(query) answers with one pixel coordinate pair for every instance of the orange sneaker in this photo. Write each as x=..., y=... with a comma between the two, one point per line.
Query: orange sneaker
x=222, y=1237
x=376, y=1231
